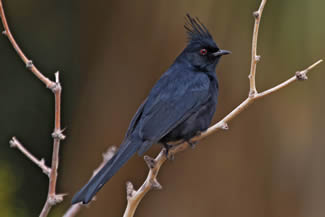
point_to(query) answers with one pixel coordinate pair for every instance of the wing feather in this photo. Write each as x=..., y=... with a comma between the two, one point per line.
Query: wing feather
x=170, y=105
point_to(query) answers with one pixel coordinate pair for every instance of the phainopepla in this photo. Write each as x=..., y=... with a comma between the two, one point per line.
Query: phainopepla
x=179, y=106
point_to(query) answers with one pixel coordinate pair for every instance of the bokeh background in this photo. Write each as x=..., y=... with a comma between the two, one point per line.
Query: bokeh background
x=269, y=163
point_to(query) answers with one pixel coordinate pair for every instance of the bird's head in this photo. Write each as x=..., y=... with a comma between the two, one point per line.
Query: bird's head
x=201, y=51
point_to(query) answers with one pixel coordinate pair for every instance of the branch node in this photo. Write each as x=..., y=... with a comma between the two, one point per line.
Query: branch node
x=29, y=64
x=57, y=134
x=4, y=33
x=151, y=163
x=13, y=142
x=224, y=126
x=129, y=190
x=258, y=58
x=50, y=85
x=256, y=14
x=55, y=199
x=301, y=75
x=46, y=170
x=155, y=184
x=252, y=93
x=55, y=87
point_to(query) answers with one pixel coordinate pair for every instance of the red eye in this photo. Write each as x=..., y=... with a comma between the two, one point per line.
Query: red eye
x=203, y=51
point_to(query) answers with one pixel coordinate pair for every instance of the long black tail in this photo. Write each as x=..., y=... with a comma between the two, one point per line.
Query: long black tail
x=125, y=152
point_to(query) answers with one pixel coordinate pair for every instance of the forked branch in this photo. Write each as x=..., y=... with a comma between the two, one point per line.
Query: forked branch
x=55, y=87
x=134, y=197
x=14, y=143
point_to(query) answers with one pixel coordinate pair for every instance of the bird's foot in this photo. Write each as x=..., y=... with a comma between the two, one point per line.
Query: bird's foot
x=169, y=155
x=191, y=144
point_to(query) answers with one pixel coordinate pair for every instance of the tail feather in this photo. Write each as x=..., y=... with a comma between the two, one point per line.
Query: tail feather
x=125, y=152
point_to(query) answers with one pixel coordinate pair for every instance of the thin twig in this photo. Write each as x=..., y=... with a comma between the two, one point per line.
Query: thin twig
x=14, y=143
x=75, y=208
x=255, y=58
x=134, y=197
x=52, y=197
x=57, y=135
x=29, y=63
x=300, y=75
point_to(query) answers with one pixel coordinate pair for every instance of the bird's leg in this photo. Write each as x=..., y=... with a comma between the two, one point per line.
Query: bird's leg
x=193, y=144
x=168, y=147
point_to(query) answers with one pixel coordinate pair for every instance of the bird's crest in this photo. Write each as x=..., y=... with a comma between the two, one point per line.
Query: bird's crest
x=196, y=31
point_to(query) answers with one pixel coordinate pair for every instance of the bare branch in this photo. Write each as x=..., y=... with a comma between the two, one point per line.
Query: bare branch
x=52, y=197
x=255, y=58
x=57, y=135
x=14, y=143
x=75, y=208
x=135, y=197
x=29, y=64
x=300, y=75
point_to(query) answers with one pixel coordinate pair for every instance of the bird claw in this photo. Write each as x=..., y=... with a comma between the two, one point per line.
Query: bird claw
x=171, y=157
x=168, y=154
x=191, y=144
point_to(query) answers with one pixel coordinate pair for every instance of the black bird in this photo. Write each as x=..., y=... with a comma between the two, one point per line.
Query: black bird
x=179, y=106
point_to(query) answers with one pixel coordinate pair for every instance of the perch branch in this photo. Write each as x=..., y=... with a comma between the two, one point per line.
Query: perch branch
x=75, y=208
x=134, y=197
x=14, y=143
x=57, y=135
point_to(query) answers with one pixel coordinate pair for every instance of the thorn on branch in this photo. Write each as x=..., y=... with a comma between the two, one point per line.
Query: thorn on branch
x=58, y=134
x=55, y=86
x=151, y=163
x=258, y=58
x=256, y=14
x=301, y=75
x=129, y=190
x=56, y=74
x=155, y=184
x=29, y=64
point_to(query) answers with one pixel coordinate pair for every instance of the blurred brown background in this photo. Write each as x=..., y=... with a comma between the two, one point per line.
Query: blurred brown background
x=110, y=53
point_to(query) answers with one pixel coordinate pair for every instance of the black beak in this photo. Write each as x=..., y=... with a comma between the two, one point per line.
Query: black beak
x=221, y=53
